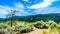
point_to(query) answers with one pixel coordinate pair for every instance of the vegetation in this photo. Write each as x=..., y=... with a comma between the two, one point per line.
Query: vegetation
x=29, y=27
x=41, y=25
x=26, y=29
x=39, y=17
x=45, y=23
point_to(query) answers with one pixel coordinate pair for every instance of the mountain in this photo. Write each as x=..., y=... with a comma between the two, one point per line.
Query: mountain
x=2, y=19
x=33, y=18
x=44, y=17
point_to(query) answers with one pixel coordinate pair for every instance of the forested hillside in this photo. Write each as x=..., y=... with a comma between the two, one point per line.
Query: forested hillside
x=44, y=17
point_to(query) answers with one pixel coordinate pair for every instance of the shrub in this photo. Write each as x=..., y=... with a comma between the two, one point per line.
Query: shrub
x=26, y=29
x=41, y=25
x=2, y=31
x=52, y=24
x=3, y=25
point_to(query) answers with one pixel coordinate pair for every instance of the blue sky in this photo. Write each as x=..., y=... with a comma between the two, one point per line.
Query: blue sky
x=29, y=7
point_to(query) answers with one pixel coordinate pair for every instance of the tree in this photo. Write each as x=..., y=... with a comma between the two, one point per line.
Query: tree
x=11, y=14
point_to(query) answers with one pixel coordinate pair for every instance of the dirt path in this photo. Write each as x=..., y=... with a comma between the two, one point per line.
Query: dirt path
x=37, y=31
x=40, y=31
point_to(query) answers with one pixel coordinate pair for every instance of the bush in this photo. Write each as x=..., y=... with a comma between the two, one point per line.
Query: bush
x=3, y=25
x=41, y=25
x=52, y=23
x=26, y=29
x=2, y=31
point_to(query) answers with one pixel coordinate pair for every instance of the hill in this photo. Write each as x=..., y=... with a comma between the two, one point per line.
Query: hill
x=33, y=18
x=44, y=17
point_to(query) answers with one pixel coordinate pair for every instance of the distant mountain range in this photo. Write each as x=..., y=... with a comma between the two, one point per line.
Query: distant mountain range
x=1, y=19
x=38, y=17
x=44, y=17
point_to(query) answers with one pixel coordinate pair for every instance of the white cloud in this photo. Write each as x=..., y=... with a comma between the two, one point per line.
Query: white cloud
x=47, y=10
x=26, y=0
x=42, y=5
x=3, y=9
x=40, y=8
x=17, y=6
x=21, y=8
x=50, y=0
x=45, y=3
x=22, y=12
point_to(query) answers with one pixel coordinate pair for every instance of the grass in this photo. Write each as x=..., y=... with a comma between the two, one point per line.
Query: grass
x=55, y=30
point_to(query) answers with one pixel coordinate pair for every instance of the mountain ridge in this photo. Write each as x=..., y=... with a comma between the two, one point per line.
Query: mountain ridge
x=38, y=17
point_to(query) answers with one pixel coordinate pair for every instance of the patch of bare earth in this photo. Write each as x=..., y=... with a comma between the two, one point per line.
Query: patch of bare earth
x=41, y=31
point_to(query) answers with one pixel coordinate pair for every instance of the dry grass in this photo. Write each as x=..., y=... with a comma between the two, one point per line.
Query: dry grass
x=41, y=31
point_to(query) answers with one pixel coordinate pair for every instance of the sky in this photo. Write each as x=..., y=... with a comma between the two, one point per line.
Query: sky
x=29, y=7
